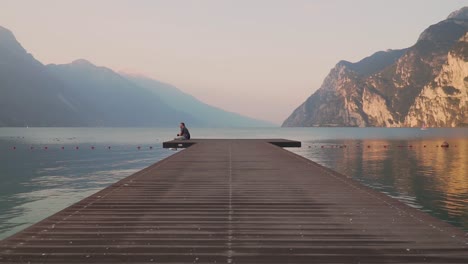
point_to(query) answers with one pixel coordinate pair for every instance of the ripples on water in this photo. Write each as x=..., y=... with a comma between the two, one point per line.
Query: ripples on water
x=36, y=183
x=431, y=178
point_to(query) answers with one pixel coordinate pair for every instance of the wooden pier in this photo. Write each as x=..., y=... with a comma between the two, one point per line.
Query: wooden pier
x=237, y=201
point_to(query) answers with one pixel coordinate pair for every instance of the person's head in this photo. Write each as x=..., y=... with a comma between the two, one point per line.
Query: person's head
x=182, y=125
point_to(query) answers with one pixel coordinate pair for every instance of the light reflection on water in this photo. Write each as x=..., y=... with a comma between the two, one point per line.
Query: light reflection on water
x=37, y=183
x=430, y=178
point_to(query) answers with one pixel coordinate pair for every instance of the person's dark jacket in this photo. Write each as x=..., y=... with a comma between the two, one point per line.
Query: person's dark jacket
x=185, y=133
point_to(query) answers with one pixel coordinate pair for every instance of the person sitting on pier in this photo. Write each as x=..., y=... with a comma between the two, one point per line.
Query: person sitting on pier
x=184, y=133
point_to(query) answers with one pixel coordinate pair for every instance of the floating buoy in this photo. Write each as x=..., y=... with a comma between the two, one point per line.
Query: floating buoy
x=138, y=147
x=445, y=144
x=63, y=147
x=92, y=147
x=152, y=147
x=77, y=148
x=45, y=148
x=108, y=147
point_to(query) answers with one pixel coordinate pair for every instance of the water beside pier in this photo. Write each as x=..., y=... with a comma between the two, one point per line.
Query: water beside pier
x=37, y=182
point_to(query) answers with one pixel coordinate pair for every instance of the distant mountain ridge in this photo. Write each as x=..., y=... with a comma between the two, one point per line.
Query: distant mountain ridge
x=424, y=84
x=188, y=104
x=105, y=98
x=83, y=94
x=28, y=91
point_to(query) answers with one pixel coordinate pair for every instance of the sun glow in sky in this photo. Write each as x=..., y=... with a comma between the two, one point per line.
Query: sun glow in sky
x=260, y=58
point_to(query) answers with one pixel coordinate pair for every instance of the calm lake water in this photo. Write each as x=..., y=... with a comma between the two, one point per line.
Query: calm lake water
x=39, y=178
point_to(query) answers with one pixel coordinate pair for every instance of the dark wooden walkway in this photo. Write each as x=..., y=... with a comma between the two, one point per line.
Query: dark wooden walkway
x=237, y=201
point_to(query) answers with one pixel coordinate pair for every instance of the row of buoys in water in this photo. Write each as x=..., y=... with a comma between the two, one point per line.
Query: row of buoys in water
x=75, y=148
x=443, y=145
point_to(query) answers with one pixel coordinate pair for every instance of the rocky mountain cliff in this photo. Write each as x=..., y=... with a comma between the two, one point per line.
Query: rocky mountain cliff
x=444, y=101
x=424, y=84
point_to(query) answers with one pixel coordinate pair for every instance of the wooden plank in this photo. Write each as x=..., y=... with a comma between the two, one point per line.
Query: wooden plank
x=237, y=201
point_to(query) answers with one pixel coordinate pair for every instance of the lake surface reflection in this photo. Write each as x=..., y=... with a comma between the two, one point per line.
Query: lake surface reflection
x=43, y=170
x=418, y=172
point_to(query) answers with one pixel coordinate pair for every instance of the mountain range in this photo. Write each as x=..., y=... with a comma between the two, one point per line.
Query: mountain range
x=423, y=85
x=83, y=94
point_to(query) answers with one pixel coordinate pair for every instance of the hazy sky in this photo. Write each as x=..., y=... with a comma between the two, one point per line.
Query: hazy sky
x=258, y=58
